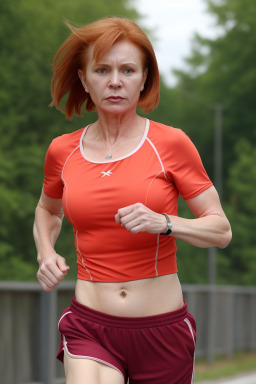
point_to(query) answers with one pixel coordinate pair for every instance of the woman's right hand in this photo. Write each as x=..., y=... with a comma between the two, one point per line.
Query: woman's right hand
x=52, y=269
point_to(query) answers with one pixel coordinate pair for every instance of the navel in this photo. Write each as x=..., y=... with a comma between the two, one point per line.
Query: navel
x=123, y=294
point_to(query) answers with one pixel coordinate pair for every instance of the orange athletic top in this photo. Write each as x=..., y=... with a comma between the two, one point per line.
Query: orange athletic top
x=164, y=165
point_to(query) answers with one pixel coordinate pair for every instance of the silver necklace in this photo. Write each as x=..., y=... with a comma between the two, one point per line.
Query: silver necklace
x=109, y=155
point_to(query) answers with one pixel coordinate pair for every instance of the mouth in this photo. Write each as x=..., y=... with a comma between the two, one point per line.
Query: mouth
x=114, y=99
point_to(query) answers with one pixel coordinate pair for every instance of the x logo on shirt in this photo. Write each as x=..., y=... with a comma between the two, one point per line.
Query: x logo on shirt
x=108, y=173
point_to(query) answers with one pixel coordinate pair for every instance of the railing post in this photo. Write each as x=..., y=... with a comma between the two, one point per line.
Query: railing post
x=253, y=330
x=48, y=334
x=230, y=324
x=212, y=318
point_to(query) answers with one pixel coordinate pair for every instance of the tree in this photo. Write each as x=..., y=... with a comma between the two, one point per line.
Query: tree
x=30, y=34
x=241, y=260
x=222, y=70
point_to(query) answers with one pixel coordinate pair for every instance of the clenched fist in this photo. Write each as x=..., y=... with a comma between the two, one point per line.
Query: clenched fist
x=138, y=218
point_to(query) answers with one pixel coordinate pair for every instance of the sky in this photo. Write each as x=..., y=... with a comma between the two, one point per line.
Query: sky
x=174, y=23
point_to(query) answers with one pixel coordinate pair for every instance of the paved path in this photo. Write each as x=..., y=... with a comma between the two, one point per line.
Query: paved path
x=245, y=379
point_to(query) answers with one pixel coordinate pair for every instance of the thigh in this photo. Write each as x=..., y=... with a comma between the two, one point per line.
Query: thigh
x=83, y=371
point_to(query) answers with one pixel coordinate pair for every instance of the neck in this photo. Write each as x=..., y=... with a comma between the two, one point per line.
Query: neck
x=113, y=128
x=118, y=135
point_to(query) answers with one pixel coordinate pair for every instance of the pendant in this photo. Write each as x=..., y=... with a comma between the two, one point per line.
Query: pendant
x=109, y=156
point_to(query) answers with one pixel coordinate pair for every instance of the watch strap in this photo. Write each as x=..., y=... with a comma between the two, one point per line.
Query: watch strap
x=169, y=225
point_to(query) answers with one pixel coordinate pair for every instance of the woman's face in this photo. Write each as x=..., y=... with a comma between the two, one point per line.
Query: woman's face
x=115, y=82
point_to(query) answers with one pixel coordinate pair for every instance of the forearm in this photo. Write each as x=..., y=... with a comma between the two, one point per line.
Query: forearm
x=209, y=228
x=47, y=226
x=46, y=229
x=203, y=232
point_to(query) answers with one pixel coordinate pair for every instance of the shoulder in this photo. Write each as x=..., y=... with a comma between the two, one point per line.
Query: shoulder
x=63, y=145
x=167, y=136
x=67, y=140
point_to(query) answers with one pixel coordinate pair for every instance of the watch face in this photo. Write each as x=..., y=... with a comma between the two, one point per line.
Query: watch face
x=169, y=225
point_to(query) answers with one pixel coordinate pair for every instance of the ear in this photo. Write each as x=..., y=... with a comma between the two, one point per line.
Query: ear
x=145, y=75
x=83, y=80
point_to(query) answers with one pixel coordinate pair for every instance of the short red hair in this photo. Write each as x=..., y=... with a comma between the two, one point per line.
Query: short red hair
x=72, y=56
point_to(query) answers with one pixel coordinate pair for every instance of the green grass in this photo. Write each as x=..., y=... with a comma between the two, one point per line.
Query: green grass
x=222, y=367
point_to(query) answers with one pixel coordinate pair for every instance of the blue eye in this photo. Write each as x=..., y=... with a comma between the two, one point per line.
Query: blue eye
x=101, y=70
x=128, y=71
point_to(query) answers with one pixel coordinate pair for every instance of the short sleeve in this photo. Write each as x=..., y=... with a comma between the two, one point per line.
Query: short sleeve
x=53, y=185
x=186, y=169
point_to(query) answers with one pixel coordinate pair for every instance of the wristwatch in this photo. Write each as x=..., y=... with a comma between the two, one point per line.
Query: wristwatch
x=169, y=225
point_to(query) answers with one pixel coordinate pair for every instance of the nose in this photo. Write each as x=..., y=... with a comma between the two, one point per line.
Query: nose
x=115, y=80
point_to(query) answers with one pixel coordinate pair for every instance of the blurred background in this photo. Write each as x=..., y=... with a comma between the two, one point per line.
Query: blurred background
x=206, y=54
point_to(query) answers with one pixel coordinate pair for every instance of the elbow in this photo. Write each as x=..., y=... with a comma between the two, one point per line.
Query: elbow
x=225, y=238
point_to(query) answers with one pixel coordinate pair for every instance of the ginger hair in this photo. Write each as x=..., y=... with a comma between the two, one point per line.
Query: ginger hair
x=72, y=56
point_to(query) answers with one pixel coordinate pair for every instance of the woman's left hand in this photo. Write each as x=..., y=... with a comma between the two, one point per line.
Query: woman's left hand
x=138, y=218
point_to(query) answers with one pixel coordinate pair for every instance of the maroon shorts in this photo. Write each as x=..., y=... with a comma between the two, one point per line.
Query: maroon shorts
x=149, y=350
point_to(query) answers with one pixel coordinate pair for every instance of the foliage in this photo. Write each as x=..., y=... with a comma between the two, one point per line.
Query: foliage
x=242, y=213
x=30, y=34
x=220, y=70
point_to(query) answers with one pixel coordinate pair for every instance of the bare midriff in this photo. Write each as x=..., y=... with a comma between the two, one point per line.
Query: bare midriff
x=136, y=298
